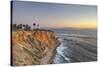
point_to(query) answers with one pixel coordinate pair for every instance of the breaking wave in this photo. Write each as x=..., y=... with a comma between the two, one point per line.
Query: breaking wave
x=76, y=48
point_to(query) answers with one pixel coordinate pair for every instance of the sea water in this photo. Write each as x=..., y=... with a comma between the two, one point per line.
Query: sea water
x=77, y=45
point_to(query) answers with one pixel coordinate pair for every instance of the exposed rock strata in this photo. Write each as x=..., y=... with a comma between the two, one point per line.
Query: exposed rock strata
x=33, y=47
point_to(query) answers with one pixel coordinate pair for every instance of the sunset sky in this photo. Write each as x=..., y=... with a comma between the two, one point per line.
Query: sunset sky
x=51, y=15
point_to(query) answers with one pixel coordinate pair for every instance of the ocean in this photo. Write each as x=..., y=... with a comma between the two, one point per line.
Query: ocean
x=76, y=45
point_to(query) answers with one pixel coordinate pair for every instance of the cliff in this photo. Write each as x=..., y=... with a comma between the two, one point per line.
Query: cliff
x=33, y=47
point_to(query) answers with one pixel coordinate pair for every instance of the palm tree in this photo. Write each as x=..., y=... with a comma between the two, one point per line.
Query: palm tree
x=20, y=26
x=14, y=26
x=24, y=26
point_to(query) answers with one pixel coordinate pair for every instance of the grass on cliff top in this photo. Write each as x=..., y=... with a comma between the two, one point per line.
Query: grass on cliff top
x=33, y=30
x=42, y=30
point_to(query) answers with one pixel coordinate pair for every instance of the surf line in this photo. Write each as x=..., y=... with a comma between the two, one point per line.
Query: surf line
x=66, y=58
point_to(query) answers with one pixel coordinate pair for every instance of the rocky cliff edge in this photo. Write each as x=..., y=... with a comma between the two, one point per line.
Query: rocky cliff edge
x=33, y=47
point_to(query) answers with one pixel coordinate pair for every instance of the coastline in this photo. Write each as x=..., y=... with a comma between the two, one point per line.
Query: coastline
x=33, y=47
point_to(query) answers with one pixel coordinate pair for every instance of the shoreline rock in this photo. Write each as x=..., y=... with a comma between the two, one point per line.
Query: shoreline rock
x=33, y=47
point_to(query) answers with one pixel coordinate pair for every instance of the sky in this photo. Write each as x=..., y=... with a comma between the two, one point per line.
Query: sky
x=54, y=15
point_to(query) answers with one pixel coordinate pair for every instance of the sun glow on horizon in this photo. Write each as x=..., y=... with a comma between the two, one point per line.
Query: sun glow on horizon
x=55, y=15
x=85, y=25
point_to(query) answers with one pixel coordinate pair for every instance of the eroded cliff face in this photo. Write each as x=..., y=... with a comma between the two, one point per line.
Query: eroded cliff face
x=33, y=47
